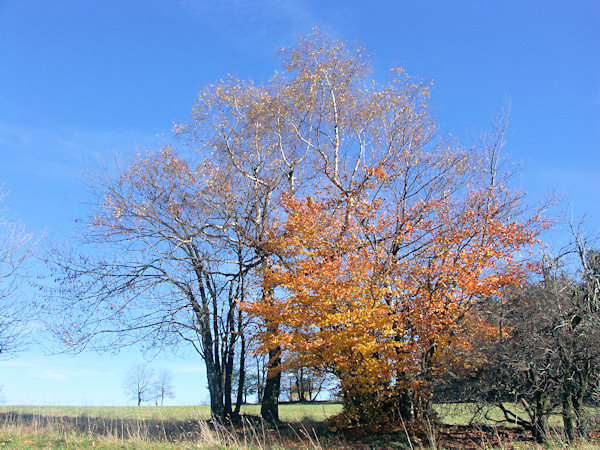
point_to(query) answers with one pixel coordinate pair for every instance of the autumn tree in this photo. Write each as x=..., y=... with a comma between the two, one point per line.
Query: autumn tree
x=327, y=206
x=15, y=248
x=381, y=258
x=307, y=128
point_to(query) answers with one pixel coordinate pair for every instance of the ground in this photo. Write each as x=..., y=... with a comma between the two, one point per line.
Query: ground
x=186, y=427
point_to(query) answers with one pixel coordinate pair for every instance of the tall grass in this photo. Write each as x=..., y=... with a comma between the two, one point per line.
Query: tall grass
x=22, y=429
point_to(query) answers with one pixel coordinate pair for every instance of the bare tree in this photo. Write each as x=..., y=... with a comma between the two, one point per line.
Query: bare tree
x=162, y=262
x=577, y=332
x=15, y=247
x=138, y=384
x=546, y=354
x=163, y=387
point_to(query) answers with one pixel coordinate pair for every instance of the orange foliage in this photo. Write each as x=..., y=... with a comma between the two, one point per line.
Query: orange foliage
x=377, y=240
x=373, y=292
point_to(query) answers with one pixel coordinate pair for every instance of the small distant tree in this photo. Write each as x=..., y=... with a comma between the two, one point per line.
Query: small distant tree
x=139, y=383
x=163, y=387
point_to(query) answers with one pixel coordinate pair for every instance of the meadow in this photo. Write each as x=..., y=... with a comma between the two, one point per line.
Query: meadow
x=186, y=427
x=287, y=412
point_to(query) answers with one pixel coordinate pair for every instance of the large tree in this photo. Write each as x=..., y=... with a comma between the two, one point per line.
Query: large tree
x=161, y=263
x=382, y=258
x=318, y=186
x=318, y=122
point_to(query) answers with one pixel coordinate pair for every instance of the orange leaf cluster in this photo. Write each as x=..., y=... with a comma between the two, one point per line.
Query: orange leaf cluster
x=373, y=295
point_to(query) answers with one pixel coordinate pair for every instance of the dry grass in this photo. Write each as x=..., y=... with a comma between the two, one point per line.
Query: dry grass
x=22, y=430
x=117, y=428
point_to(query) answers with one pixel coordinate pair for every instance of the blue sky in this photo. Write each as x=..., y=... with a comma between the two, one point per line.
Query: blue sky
x=85, y=83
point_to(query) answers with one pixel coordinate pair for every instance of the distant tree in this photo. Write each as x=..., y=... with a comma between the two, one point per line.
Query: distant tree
x=254, y=376
x=139, y=383
x=304, y=384
x=15, y=247
x=256, y=379
x=163, y=387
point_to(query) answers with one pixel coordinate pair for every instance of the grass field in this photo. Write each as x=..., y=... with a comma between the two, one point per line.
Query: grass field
x=185, y=427
x=153, y=427
x=287, y=412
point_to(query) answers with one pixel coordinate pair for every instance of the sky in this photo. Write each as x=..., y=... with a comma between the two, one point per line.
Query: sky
x=85, y=84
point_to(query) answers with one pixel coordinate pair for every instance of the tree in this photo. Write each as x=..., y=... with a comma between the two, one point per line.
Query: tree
x=139, y=382
x=297, y=133
x=305, y=384
x=578, y=336
x=521, y=364
x=377, y=266
x=546, y=350
x=161, y=263
x=15, y=248
x=256, y=372
x=318, y=185
x=163, y=387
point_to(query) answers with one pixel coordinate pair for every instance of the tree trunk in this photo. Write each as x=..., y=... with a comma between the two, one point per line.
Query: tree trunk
x=583, y=377
x=230, y=351
x=581, y=428
x=270, y=402
x=209, y=345
x=241, y=395
x=228, y=381
x=217, y=408
x=269, y=409
x=406, y=406
x=260, y=386
x=568, y=416
x=298, y=382
x=540, y=425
